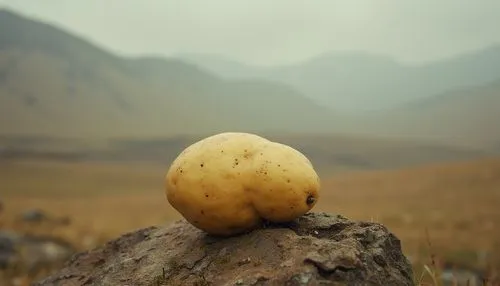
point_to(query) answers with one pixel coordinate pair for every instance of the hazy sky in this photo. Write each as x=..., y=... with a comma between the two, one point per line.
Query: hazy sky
x=277, y=31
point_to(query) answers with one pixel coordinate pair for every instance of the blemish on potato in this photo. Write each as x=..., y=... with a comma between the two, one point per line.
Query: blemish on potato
x=248, y=154
x=202, y=212
x=310, y=200
x=236, y=162
x=206, y=195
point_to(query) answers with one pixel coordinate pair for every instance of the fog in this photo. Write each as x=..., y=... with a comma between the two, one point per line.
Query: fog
x=277, y=32
x=395, y=104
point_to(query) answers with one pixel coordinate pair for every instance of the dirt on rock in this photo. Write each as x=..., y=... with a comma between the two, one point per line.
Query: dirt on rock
x=315, y=249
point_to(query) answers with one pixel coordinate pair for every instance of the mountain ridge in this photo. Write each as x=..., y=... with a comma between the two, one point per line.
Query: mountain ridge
x=48, y=87
x=333, y=79
x=77, y=88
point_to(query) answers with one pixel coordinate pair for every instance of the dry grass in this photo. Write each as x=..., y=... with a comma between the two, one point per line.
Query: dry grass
x=456, y=203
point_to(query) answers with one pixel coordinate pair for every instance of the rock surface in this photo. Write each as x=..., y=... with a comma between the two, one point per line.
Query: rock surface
x=316, y=249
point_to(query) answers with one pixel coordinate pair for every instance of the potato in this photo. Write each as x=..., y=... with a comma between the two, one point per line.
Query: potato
x=231, y=182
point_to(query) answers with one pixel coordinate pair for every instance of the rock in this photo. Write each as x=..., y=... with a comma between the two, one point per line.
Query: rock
x=34, y=215
x=39, y=216
x=7, y=248
x=316, y=249
x=32, y=254
x=452, y=277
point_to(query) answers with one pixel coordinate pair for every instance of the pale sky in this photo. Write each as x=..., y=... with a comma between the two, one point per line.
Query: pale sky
x=269, y=32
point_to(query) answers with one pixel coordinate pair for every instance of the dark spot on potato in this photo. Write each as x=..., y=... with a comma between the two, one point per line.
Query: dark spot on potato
x=279, y=165
x=202, y=212
x=181, y=171
x=248, y=154
x=236, y=162
x=261, y=154
x=265, y=173
x=195, y=222
x=201, y=165
x=288, y=180
x=310, y=200
x=206, y=195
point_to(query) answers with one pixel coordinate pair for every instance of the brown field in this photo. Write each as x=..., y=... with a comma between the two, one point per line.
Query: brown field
x=457, y=204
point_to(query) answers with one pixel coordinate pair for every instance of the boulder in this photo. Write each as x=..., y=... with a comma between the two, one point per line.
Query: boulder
x=32, y=254
x=7, y=248
x=34, y=215
x=315, y=249
x=38, y=216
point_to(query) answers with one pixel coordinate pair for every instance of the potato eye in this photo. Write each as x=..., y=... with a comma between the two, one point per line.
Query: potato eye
x=310, y=200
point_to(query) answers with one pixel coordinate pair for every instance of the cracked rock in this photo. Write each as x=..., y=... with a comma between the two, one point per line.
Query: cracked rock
x=316, y=249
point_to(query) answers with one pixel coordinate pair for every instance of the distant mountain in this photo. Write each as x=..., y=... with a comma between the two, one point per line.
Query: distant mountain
x=466, y=116
x=55, y=83
x=455, y=100
x=223, y=66
x=357, y=82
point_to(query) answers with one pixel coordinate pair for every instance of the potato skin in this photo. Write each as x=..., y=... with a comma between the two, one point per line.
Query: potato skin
x=283, y=182
x=228, y=183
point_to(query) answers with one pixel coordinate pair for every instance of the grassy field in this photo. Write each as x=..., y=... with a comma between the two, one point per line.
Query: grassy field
x=453, y=206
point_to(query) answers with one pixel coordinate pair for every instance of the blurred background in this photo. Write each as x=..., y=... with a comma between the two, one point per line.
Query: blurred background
x=396, y=103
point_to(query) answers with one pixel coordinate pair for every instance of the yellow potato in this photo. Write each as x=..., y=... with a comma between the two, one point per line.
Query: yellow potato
x=229, y=183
